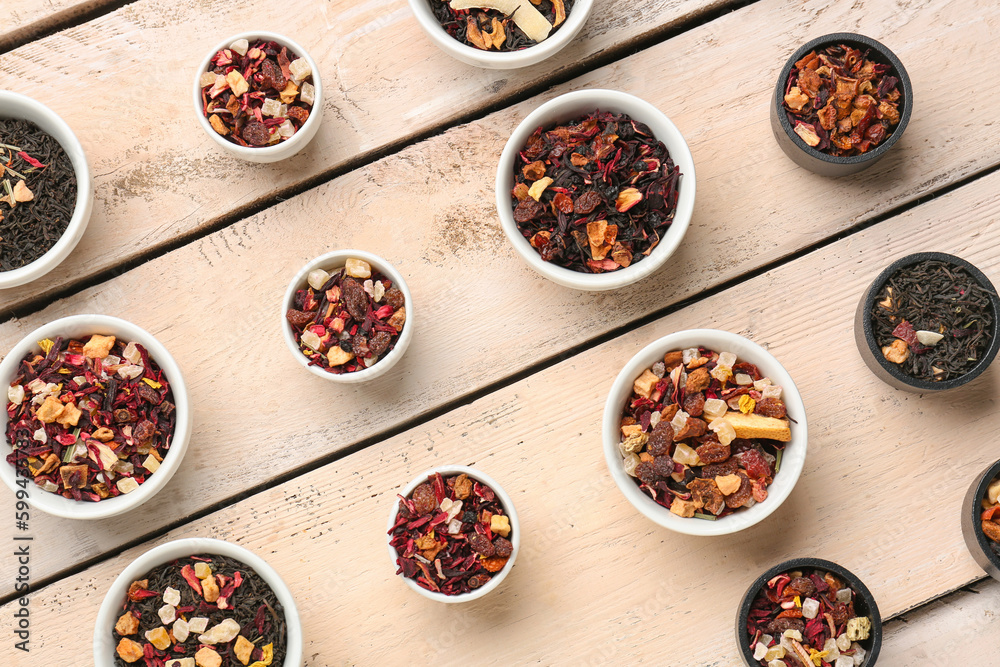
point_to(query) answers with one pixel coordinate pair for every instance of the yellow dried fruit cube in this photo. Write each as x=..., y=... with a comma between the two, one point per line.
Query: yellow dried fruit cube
x=207, y=657
x=398, y=319
x=358, y=268
x=202, y=570
x=645, y=383
x=128, y=650
x=337, y=356
x=728, y=484
x=51, y=410
x=210, y=588
x=127, y=624
x=243, y=649
x=159, y=638
x=237, y=83
x=70, y=415
x=500, y=525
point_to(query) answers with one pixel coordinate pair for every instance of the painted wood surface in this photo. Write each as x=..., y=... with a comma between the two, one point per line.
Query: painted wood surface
x=160, y=180
x=23, y=20
x=632, y=589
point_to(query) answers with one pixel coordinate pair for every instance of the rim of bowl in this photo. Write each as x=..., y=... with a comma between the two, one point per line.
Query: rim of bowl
x=335, y=260
x=575, y=20
x=300, y=138
x=884, y=56
x=792, y=460
x=508, y=505
x=567, y=107
x=892, y=369
x=875, y=638
x=164, y=553
x=90, y=324
x=51, y=123
x=972, y=512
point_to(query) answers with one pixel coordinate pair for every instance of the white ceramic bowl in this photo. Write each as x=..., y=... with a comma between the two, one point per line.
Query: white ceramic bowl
x=569, y=107
x=107, y=615
x=721, y=341
x=14, y=105
x=279, y=151
x=508, y=506
x=85, y=325
x=330, y=262
x=495, y=59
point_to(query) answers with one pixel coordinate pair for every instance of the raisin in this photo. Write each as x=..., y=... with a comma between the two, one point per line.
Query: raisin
x=424, y=500
x=355, y=298
x=563, y=202
x=660, y=439
x=713, y=452
x=299, y=318
x=727, y=467
x=740, y=445
x=143, y=432
x=271, y=76
x=646, y=473
x=360, y=346
x=742, y=495
x=379, y=343
x=298, y=113
x=692, y=428
x=770, y=407
x=502, y=547
x=840, y=613
x=586, y=203
x=481, y=545
x=148, y=394
x=669, y=412
x=394, y=298
x=528, y=210
x=697, y=380
x=255, y=134
x=801, y=586
x=663, y=465
x=694, y=404
x=779, y=625
x=755, y=464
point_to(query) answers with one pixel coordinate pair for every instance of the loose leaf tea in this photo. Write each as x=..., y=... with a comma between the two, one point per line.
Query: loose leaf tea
x=501, y=25
x=841, y=102
x=89, y=419
x=204, y=610
x=257, y=94
x=347, y=321
x=933, y=319
x=807, y=618
x=703, y=433
x=451, y=535
x=595, y=195
x=37, y=193
x=990, y=522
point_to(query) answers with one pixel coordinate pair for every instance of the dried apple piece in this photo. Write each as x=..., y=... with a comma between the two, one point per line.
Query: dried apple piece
x=531, y=21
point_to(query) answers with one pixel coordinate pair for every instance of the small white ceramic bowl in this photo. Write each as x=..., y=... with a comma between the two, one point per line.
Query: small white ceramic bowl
x=721, y=341
x=569, y=107
x=508, y=506
x=281, y=150
x=85, y=325
x=496, y=59
x=111, y=607
x=14, y=105
x=331, y=262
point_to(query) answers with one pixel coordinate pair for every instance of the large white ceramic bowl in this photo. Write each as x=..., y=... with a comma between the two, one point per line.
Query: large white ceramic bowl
x=721, y=341
x=331, y=262
x=508, y=506
x=76, y=326
x=14, y=105
x=111, y=608
x=281, y=150
x=495, y=59
x=567, y=108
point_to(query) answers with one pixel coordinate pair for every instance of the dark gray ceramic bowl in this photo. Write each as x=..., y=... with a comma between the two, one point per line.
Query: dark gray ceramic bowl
x=864, y=605
x=817, y=161
x=869, y=348
x=984, y=554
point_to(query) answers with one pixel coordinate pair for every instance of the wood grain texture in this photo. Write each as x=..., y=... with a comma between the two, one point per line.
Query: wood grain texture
x=595, y=582
x=481, y=314
x=23, y=20
x=159, y=178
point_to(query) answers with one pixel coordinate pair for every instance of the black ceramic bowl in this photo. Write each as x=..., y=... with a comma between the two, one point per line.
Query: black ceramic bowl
x=864, y=605
x=817, y=161
x=982, y=552
x=887, y=371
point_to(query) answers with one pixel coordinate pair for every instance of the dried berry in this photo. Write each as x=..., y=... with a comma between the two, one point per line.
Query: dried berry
x=801, y=586
x=256, y=133
x=379, y=342
x=503, y=547
x=780, y=625
x=694, y=404
x=481, y=545
x=424, y=500
x=770, y=407
x=586, y=203
x=271, y=76
x=741, y=496
x=660, y=439
x=394, y=298
x=755, y=464
x=727, y=467
x=713, y=452
x=299, y=318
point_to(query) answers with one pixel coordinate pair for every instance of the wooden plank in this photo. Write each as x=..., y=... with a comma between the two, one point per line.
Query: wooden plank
x=959, y=629
x=123, y=83
x=158, y=178
x=631, y=588
x=24, y=19
x=481, y=313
